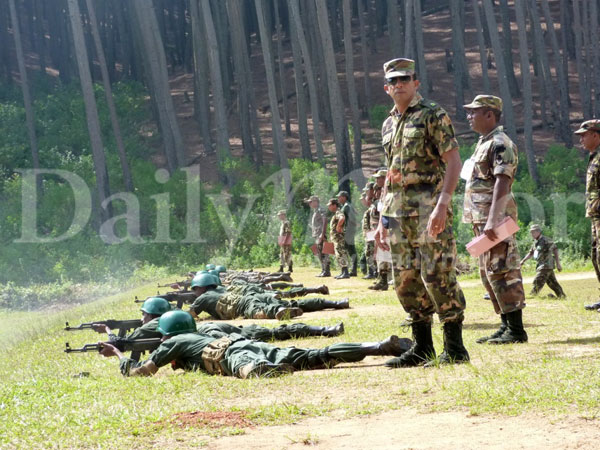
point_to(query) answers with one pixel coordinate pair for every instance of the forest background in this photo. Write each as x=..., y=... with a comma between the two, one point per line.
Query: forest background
x=194, y=121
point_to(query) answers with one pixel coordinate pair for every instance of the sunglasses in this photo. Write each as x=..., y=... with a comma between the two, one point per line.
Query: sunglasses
x=402, y=79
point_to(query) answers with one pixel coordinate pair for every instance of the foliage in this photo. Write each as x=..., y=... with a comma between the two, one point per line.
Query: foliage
x=377, y=115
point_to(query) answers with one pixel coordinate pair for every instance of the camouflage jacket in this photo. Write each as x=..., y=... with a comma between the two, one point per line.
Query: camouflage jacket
x=366, y=221
x=414, y=143
x=285, y=228
x=374, y=215
x=592, y=186
x=337, y=216
x=494, y=155
x=350, y=215
x=318, y=222
x=543, y=253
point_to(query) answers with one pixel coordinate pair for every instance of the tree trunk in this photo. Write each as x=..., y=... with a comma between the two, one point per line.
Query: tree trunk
x=91, y=110
x=201, y=77
x=527, y=96
x=282, y=77
x=566, y=135
x=127, y=179
x=216, y=80
x=579, y=60
x=366, y=100
x=394, y=28
x=295, y=17
x=595, y=56
x=340, y=128
x=27, y=101
x=507, y=46
x=509, y=117
x=409, y=26
x=458, y=50
x=350, y=83
x=420, y=49
x=482, y=47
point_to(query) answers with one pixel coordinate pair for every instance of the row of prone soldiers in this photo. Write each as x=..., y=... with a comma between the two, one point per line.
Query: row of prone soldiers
x=221, y=348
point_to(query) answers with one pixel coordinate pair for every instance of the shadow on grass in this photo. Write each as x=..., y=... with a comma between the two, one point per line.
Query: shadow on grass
x=492, y=326
x=568, y=341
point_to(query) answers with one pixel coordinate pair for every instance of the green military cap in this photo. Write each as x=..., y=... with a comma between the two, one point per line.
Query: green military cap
x=333, y=201
x=593, y=124
x=343, y=193
x=312, y=198
x=380, y=173
x=485, y=101
x=535, y=227
x=369, y=185
x=281, y=212
x=399, y=67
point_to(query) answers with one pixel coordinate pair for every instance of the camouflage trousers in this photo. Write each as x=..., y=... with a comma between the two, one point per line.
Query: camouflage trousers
x=501, y=276
x=424, y=272
x=341, y=253
x=260, y=305
x=384, y=267
x=322, y=257
x=285, y=255
x=595, y=245
x=370, y=255
x=544, y=276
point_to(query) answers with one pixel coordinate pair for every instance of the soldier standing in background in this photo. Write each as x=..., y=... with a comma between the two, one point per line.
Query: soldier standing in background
x=285, y=250
x=350, y=231
x=318, y=227
x=369, y=253
x=589, y=137
x=488, y=200
x=337, y=236
x=423, y=169
x=545, y=254
x=383, y=267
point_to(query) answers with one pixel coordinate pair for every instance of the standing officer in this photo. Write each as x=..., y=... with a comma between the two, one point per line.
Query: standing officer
x=423, y=170
x=350, y=225
x=589, y=137
x=285, y=251
x=383, y=267
x=318, y=227
x=369, y=253
x=337, y=236
x=488, y=200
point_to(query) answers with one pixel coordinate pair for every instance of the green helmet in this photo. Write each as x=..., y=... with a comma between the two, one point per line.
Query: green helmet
x=215, y=274
x=210, y=267
x=221, y=269
x=176, y=322
x=203, y=280
x=156, y=306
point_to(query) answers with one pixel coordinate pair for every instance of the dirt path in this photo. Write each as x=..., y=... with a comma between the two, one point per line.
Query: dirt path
x=559, y=277
x=409, y=429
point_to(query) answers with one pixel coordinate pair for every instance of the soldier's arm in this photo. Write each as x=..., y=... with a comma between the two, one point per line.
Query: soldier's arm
x=340, y=224
x=557, y=259
x=437, y=220
x=526, y=257
x=499, y=199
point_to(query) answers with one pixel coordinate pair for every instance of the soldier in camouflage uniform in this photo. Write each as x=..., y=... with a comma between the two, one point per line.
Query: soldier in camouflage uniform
x=423, y=170
x=233, y=355
x=545, y=253
x=285, y=251
x=337, y=236
x=369, y=254
x=488, y=200
x=589, y=137
x=350, y=229
x=318, y=228
x=383, y=267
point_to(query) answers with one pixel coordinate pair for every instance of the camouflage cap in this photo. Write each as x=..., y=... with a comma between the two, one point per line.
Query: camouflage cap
x=311, y=199
x=281, y=212
x=593, y=124
x=399, y=67
x=535, y=227
x=485, y=101
x=333, y=201
x=344, y=193
x=380, y=173
x=369, y=185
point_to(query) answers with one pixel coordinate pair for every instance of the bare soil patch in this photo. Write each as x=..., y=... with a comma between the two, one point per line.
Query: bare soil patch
x=217, y=419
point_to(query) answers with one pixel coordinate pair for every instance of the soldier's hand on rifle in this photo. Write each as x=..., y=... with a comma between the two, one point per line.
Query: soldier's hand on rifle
x=109, y=350
x=100, y=328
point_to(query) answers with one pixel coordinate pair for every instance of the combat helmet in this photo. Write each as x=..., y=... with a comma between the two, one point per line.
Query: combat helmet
x=156, y=306
x=203, y=280
x=176, y=322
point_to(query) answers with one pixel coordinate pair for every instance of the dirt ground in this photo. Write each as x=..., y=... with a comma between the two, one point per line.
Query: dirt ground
x=409, y=429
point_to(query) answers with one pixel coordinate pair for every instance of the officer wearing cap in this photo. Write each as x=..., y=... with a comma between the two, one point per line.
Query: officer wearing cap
x=488, y=200
x=423, y=169
x=367, y=259
x=589, y=137
x=337, y=236
x=285, y=251
x=318, y=227
x=545, y=254
x=350, y=228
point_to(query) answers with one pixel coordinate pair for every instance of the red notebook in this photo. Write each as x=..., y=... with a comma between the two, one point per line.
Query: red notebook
x=284, y=240
x=482, y=244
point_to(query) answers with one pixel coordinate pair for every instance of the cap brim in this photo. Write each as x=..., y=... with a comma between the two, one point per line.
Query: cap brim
x=398, y=73
x=580, y=131
x=473, y=106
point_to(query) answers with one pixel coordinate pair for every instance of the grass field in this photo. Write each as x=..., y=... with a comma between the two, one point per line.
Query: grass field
x=49, y=399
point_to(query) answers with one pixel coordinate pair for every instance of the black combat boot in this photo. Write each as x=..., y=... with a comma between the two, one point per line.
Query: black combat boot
x=327, y=272
x=371, y=275
x=514, y=333
x=280, y=268
x=327, y=331
x=392, y=346
x=421, y=351
x=353, y=272
x=454, y=350
x=593, y=306
x=318, y=290
x=290, y=268
x=382, y=283
x=499, y=332
x=343, y=275
x=342, y=304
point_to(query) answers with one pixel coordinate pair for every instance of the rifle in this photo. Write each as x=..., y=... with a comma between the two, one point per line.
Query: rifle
x=185, y=284
x=179, y=298
x=135, y=346
x=122, y=325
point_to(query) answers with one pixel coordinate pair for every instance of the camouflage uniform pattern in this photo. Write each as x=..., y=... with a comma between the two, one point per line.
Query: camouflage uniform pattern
x=383, y=267
x=350, y=232
x=423, y=268
x=499, y=268
x=316, y=226
x=369, y=245
x=285, y=251
x=592, y=206
x=338, y=239
x=256, y=332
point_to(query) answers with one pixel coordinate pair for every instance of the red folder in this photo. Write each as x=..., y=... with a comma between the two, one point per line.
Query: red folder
x=327, y=248
x=482, y=244
x=284, y=240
